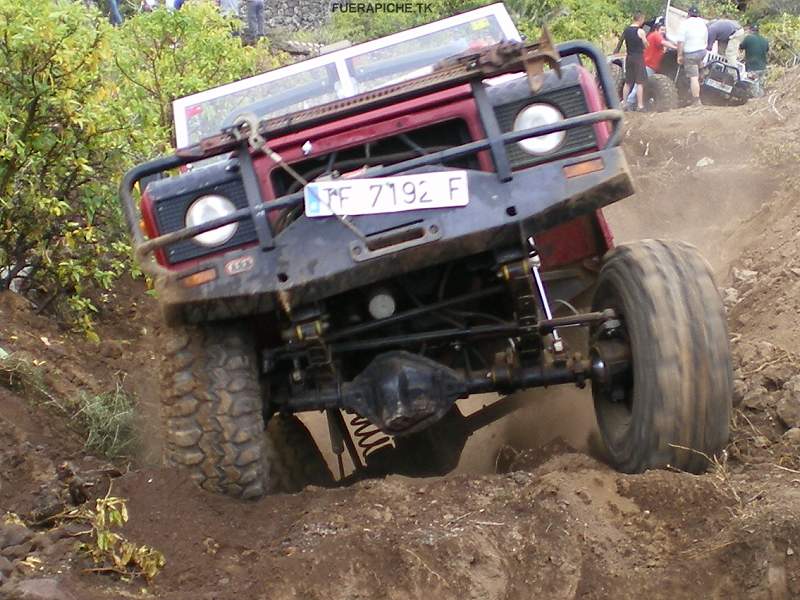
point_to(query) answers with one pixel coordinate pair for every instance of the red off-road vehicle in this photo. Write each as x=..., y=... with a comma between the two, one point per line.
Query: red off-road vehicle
x=381, y=231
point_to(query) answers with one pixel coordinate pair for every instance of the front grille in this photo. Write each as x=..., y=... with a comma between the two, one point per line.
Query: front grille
x=171, y=200
x=170, y=214
x=571, y=102
x=386, y=151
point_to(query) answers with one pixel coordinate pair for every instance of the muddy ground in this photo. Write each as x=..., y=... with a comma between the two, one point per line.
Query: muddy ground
x=554, y=522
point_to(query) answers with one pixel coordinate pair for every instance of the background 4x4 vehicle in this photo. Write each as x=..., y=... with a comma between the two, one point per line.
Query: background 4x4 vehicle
x=379, y=232
x=721, y=81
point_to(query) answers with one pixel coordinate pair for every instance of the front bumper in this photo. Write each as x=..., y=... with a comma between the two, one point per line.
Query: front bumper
x=317, y=258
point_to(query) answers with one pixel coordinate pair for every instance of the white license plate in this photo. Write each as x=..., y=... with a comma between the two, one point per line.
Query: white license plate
x=440, y=189
x=720, y=86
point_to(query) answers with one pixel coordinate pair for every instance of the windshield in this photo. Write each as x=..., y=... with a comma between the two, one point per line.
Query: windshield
x=340, y=74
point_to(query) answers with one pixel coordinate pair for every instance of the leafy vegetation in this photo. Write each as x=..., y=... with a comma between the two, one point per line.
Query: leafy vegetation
x=171, y=54
x=759, y=9
x=783, y=31
x=61, y=138
x=81, y=103
x=110, y=551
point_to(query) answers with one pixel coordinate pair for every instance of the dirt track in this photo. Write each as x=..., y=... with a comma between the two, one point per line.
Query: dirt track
x=556, y=523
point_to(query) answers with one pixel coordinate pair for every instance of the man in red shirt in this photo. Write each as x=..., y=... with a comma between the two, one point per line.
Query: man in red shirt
x=657, y=43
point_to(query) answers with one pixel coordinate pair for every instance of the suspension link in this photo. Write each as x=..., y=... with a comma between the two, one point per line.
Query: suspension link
x=517, y=275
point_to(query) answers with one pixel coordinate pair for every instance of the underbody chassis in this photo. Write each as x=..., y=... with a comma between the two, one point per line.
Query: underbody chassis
x=391, y=318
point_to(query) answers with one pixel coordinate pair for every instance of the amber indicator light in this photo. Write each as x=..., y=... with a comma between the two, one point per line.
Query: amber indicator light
x=583, y=168
x=199, y=278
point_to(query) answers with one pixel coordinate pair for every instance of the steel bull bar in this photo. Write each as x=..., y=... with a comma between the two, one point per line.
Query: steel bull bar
x=487, y=193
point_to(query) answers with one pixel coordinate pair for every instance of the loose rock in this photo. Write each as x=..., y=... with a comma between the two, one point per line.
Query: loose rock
x=755, y=399
x=788, y=410
x=792, y=436
x=739, y=391
x=40, y=589
x=730, y=297
x=13, y=534
x=5, y=566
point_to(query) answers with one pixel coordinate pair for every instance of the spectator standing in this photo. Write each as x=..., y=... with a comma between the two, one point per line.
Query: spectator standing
x=635, y=74
x=728, y=34
x=229, y=8
x=653, y=53
x=116, y=16
x=255, y=19
x=692, y=42
x=756, y=52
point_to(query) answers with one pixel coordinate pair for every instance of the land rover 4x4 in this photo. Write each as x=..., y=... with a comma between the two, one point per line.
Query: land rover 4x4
x=381, y=231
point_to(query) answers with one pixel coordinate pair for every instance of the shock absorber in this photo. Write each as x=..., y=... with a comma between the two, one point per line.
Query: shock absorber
x=536, y=262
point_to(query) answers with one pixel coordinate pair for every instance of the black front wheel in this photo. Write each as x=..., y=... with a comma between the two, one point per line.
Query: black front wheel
x=212, y=416
x=661, y=93
x=665, y=397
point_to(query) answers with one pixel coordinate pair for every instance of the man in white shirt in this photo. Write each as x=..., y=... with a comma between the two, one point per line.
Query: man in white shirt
x=692, y=41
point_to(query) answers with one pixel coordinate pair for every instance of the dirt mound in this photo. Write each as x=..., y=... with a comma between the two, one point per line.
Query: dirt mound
x=568, y=528
x=546, y=521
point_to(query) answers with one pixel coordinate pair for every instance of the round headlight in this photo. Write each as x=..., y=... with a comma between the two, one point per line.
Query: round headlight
x=208, y=208
x=537, y=115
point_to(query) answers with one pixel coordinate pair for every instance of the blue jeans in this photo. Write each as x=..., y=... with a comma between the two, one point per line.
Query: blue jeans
x=631, y=99
x=255, y=18
x=115, y=17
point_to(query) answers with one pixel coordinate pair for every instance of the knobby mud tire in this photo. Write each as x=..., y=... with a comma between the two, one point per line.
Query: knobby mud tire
x=212, y=416
x=618, y=77
x=212, y=409
x=682, y=380
x=661, y=93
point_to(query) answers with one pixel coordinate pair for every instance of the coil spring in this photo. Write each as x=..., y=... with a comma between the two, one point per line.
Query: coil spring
x=368, y=437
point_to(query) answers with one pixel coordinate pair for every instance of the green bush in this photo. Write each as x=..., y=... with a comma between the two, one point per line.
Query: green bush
x=708, y=8
x=759, y=9
x=164, y=55
x=600, y=21
x=63, y=140
x=81, y=103
x=783, y=33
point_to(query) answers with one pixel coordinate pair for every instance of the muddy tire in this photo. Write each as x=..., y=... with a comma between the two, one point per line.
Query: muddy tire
x=677, y=392
x=618, y=77
x=212, y=409
x=297, y=460
x=661, y=93
x=212, y=416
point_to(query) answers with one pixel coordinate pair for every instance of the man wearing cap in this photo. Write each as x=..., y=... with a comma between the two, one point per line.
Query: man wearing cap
x=692, y=41
x=728, y=34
